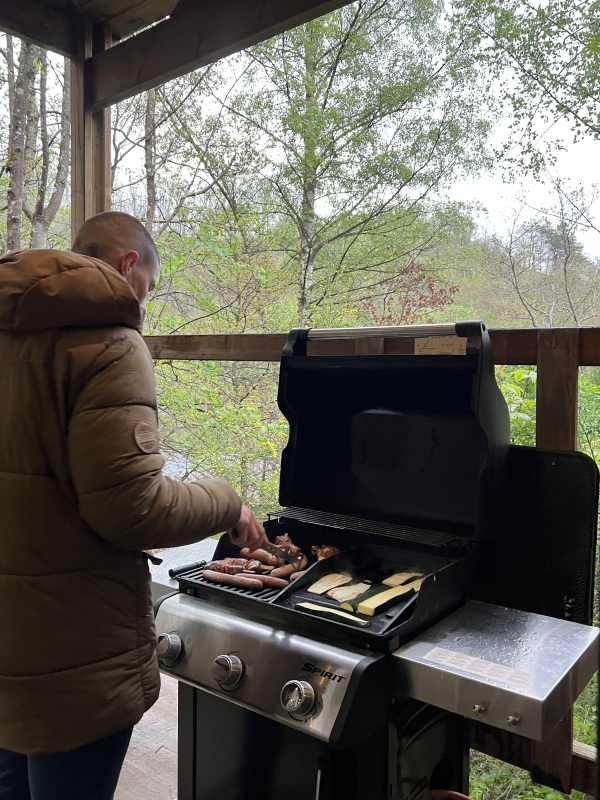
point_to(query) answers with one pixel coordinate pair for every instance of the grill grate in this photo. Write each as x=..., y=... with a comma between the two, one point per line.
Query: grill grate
x=435, y=538
x=193, y=579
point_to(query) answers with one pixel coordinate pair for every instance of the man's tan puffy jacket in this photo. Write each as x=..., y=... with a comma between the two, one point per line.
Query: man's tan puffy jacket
x=81, y=495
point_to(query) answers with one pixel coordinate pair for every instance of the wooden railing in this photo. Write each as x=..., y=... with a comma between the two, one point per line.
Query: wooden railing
x=558, y=353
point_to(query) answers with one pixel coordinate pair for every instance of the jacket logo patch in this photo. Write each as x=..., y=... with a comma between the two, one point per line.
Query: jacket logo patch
x=146, y=437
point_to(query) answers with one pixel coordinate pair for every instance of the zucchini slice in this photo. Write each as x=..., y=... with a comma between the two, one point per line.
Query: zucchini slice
x=382, y=601
x=352, y=605
x=345, y=593
x=328, y=582
x=401, y=577
x=332, y=614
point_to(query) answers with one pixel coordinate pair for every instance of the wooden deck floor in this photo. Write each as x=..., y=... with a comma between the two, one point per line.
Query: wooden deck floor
x=150, y=769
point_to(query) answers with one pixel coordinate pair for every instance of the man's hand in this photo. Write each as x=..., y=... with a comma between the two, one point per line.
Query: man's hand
x=248, y=532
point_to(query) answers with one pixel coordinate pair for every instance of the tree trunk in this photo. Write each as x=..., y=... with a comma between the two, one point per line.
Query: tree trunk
x=16, y=159
x=150, y=159
x=10, y=68
x=34, y=116
x=44, y=215
x=307, y=234
x=309, y=186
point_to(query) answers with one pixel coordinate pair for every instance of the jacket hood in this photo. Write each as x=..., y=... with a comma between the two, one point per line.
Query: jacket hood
x=41, y=289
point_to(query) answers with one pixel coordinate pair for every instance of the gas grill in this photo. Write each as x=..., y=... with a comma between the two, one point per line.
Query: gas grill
x=402, y=462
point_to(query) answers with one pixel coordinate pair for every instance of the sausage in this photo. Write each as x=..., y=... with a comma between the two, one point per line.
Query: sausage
x=272, y=583
x=288, y=569
x=297, y=574
x=243, y=581
x=283, y=572
x=261, y=555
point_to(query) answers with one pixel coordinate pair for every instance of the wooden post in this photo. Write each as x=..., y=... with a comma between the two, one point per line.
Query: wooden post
x=556, y=429
x=90, y=132
x=557, y=382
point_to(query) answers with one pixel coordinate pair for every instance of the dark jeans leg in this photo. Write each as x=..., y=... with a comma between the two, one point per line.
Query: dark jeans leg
x=89, y=773
x=14, y=783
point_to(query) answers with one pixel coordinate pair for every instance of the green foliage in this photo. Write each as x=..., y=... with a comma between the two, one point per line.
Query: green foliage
x=518, y=387
x=221, y=420
x=546, y=57
x=495, y=780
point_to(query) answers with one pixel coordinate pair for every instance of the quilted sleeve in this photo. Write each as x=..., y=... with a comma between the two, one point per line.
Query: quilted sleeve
x=116, y=466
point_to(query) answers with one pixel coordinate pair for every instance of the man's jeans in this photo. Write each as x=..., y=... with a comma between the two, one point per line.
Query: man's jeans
x=89, y=773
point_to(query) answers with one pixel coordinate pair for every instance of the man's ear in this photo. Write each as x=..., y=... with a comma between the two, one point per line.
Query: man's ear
x=127, y=262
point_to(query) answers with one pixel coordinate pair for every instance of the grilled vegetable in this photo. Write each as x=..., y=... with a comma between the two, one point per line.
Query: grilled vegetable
x=401, y=577
x=344, y=593
x=382, y=601
x=333, y=614
x=372, y=591
x=328, y=582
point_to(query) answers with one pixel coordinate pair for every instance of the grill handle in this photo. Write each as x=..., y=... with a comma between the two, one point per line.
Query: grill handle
x=388, y=331
x=296, y=344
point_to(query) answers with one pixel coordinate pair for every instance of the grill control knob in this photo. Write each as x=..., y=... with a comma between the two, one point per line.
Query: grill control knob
x=227, y=671
x=169, y=649
x=298, y=698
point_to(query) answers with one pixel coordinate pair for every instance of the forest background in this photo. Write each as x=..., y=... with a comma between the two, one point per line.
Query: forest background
x=307, y=181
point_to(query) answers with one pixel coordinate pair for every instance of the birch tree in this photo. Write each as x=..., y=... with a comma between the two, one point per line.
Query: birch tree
x=360, y=117
x=38, y=150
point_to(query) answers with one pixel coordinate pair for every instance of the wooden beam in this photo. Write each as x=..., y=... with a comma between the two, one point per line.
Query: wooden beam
x=509, y=346
x=514, y=345
x=552, y=759
x=204, y=32
x=516, y=750
x=90, y=131
x=556, y=394
x=38, y=24
x=218, y=347
x=584, y=769
x=589, y=347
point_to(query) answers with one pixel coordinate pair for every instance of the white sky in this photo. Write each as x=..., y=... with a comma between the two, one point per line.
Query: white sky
x=579, y=164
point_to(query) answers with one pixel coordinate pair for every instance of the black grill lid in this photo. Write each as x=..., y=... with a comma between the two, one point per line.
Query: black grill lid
x=414, y=440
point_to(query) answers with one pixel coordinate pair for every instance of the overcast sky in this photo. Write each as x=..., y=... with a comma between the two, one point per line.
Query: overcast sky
x=579, y=164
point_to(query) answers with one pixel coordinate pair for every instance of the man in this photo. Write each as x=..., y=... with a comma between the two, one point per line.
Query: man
x=82, y=495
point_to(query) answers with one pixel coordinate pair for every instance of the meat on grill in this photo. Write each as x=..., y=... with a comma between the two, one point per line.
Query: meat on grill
x=324, y=551
x=285, y=541
x=233, y=566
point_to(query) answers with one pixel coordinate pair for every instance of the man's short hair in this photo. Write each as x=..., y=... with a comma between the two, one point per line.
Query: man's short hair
x=112, y=231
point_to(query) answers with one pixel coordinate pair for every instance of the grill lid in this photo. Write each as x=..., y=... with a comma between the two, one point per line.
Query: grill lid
x=415, y=439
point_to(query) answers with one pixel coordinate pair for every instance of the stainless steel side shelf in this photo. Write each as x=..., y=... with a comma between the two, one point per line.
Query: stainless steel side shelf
x=511, y=669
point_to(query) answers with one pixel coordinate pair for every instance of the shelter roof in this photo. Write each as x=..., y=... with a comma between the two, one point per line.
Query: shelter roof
x=188, y=34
